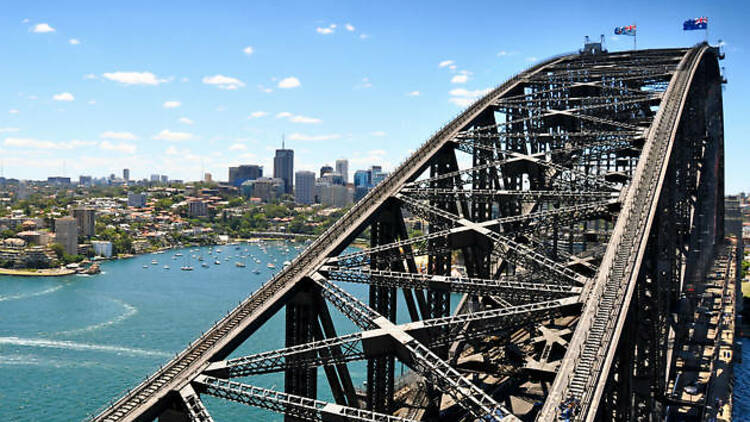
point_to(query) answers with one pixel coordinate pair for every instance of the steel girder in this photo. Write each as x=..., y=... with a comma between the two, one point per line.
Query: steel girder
x=553, y=211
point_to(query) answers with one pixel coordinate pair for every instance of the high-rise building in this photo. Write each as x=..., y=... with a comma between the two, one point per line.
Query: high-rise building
x=377, y=175
x=58, y=180
x=164, y=178
x=304, y=189
x=86, y=221
x=197, y=208
x=325, y=169
x=342, y=168
x=155, y=178
x=240, y=174
x=126, y=175
x=137, y=200
x=66, y=234
x=265, y=188
x=363, y=178
x=283, y=167
x=84, y=180
x=208, y=178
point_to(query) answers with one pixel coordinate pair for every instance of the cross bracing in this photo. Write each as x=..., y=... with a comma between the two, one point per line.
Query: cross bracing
x=559, y=206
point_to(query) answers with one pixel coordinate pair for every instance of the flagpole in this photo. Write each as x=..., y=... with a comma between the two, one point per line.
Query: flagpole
x=635, y=37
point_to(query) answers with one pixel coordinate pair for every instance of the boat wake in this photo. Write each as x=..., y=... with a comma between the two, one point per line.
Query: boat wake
x=130, y=310
x=70, y=345
x=33, y=294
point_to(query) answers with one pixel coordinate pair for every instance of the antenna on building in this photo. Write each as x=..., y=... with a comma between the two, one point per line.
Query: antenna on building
x=282, y=140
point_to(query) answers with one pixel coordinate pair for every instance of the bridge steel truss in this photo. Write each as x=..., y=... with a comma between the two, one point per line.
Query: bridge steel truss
x=569, y=207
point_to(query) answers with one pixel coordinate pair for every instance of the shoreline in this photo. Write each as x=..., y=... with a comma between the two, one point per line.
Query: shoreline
x=42, y=272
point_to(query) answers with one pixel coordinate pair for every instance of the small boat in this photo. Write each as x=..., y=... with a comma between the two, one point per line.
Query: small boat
x=226, y=259
x=204, y=265
x=166, y=267
x=186, y=268
x=153, y=262
x=270, y=265
x=217, y=262
x=286, y=263
x=218, y=251
x=239, y=264
x=200, y=258
x=145, y=266
x=178, y=254
x=257, y=271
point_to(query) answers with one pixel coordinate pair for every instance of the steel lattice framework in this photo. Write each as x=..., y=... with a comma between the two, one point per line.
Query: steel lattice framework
x=580, y=196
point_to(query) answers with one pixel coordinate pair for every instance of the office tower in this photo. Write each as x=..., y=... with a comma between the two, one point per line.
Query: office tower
x=84, y=180
x=325, y=169
x=126, y=175
x=137, y=200
x=342, y=168
x=58, y=180
x=304, y=190
x=377, y=175
x=283, y=167
x=155, y=178
x=86, y=221
x=265, y=188
x=208, y=178
x=66, y=234
x=164, y=178
x=243, y=173
x=362, y=178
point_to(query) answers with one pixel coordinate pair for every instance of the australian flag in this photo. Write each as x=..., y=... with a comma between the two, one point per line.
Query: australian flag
x=697, y=23
x=625, y=30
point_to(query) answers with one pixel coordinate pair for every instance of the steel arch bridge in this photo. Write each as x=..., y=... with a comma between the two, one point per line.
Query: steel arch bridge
x=581, y=196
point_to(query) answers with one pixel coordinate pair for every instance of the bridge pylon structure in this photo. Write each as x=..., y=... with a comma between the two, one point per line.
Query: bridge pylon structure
x=562, y=216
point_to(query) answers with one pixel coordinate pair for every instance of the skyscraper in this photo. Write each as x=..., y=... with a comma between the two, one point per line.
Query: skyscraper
x=342, y=168
x=283, y=167
x=304, y=192
x=86, y=221
x=243, y=173
x=325, y=169
x=66, y=234
x=126, y=175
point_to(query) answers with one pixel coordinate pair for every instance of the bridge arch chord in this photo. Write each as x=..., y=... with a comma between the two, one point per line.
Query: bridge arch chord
x=519, y=204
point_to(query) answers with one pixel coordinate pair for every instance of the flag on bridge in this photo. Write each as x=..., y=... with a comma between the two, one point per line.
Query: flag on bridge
x=697, y=23
x=625, y=30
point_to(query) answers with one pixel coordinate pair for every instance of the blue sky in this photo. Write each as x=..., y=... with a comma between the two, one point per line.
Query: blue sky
x=170, y=87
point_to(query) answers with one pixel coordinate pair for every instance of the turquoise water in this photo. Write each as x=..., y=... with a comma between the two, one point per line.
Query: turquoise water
x=69, y=345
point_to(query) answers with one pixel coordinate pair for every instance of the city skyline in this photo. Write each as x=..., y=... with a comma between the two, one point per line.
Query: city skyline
x=95, y=95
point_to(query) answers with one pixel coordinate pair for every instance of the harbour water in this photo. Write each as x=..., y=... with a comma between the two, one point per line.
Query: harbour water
x=69, y=345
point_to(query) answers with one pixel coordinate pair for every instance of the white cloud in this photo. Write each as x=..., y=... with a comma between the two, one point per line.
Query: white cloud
x=464, y=97
x=92, y=102
x=90, y=76
x=531, y=59
x=297, y=118
x=290, y=82
x=265, y=89
x=43, y=27
x=237, y=147
x=459, y=79
x=13, y=111
x=305, y=137
x=172, y=150
x=121, y=147
x=365, y=83
x=304, y=119
x=445, y=63
x=26, y=20
x=123, y=136
x=248, y=50
x=185, y=120
x=9, y=129
x=326, y=30
x=42, y=144
x=503, y=53
x=378, y=133
x=376, y=152
x=134, y=78
x=413, y=94
x=349, y=27
x=363, y=36
x=168, y=135
x=74, y=41
x=171, y=104
x=63, y=96
x=223, y=82
x=257, y=114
